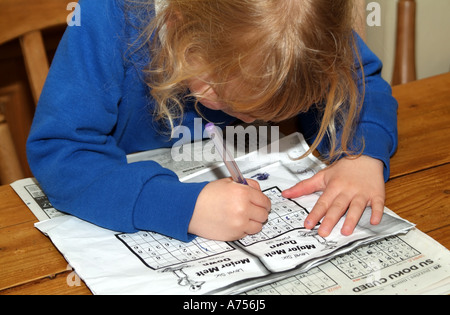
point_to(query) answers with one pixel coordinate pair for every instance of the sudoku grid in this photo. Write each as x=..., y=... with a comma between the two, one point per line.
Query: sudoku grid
x=285, y=216
x=157, y=251
x=374, y=257
x=305, y=283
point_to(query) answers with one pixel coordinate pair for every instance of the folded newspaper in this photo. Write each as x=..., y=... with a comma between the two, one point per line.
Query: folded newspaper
x=148, y=263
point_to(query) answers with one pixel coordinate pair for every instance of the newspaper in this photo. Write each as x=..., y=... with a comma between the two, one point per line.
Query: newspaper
x=408, y=264
x=148, y=263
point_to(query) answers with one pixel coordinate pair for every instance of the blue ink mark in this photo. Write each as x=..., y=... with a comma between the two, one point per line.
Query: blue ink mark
x=204, y=248
x=261, y=176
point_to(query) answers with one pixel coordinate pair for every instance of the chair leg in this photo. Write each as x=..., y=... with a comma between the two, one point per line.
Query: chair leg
x=405, y=56
x=10, y=169
x=36, y=61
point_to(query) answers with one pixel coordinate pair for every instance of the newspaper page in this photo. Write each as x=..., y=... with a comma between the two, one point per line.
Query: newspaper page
x=408, y=264
x=154, y=264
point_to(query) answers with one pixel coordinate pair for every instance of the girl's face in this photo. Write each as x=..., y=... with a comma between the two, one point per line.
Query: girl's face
x=211, y=100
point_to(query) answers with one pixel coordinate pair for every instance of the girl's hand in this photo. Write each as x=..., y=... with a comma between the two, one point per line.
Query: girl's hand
x=349, y=185
x=228, y=211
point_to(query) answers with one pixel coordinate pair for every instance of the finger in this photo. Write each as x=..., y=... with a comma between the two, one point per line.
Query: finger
x=259, y=199
x=335, y=212
x=254, y=184
x=355, y=210
x=377, y=204
x=258, y=214
x=253, y=227
x=319, y=210
x=306, y=187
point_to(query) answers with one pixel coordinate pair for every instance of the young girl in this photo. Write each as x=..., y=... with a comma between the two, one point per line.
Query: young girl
x=121, y=81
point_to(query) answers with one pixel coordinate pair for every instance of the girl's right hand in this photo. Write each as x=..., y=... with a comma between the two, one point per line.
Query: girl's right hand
x=228, y=211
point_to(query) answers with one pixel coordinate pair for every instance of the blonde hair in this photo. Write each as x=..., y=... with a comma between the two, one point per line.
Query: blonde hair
x=281, y=57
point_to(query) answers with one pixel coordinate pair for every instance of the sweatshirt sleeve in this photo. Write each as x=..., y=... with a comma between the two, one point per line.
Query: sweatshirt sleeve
x=378, y=122
x=71, y=150
x=378, y=119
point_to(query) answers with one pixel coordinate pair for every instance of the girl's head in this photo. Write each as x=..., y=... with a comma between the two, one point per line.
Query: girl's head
x=257, y=60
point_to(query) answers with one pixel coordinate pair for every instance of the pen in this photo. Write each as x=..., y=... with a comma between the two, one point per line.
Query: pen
x=230, y=163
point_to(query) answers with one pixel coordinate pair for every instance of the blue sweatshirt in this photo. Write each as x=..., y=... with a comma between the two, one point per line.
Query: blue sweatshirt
x=95, y=109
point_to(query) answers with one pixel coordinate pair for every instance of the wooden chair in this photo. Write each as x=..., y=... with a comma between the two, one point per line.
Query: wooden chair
x=405, y=51
x=24, y=20
x=10, y=169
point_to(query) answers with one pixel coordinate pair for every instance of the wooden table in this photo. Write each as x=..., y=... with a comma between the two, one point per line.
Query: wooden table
x=419, y=191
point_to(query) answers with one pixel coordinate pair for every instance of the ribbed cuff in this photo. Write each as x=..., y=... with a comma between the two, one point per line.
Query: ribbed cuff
x=166, y=206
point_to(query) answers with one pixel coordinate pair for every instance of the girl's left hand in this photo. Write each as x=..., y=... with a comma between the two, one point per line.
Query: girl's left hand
x=349, y=186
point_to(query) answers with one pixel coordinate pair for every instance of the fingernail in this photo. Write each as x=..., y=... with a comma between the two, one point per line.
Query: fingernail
x=375, y=221
x=324, y=232
x=346, y=231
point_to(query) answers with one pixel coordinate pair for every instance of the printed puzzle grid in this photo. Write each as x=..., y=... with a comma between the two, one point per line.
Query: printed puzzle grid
x=286, y=215
x=305, y=283
x=157, y=251
x=374, y=257
x=360, y=262
x=41, y=199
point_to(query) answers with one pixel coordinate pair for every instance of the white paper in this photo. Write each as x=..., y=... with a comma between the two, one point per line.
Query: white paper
x=148, y=263
x=403, y=265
